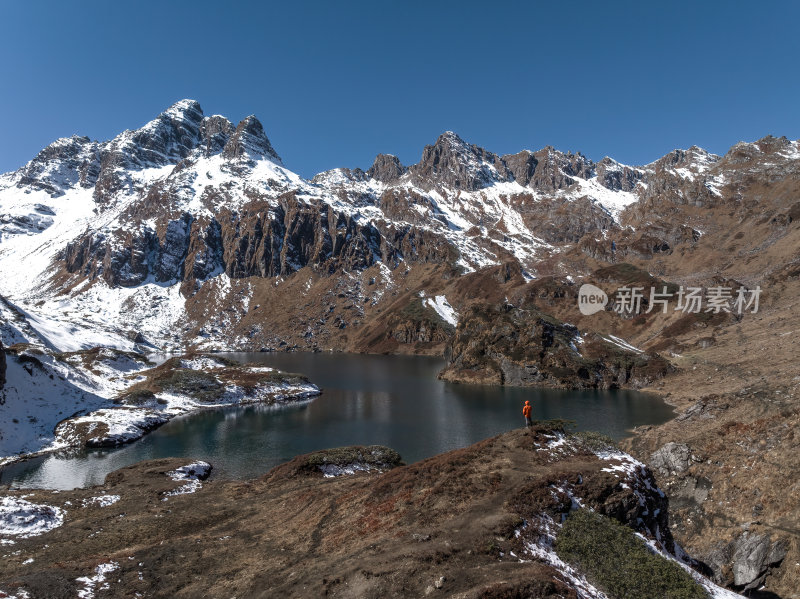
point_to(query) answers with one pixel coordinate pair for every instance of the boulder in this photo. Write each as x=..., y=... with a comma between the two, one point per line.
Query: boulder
x=672, y=458
x=745, y=562
x=752, y=557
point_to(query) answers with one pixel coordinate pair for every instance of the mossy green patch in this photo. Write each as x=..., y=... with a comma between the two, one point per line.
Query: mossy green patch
x=594, y=441
x=614, y=559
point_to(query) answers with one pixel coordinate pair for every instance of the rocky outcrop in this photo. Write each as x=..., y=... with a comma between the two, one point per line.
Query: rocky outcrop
x=215, y=131
x=259, y=240
x=295, y=234
x=456, y=164
x=339, y=461
x=249, y=141
x=746, y=561
x=128, y=258
x=180, y=385
x=417, y=323
x=672, y=458
x=67, y=162
x=620, y=177
x=559, y=222
x=386, y=168
x=507, y=345
x=548, y=169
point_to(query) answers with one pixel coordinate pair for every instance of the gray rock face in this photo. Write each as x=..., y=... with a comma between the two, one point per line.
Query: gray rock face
x=205, y=252
x=673, y=457
x=556, y=170
x=173, y=249
x=548, y=219
x=548, y=169
x=250, y=141
x=253, y=242
x=215, y=132
x=130, y=257
x=752, y=557
x=616, y=176
x=745, y=562
x=386, y=168
x=295, y=235
x=64, y=163
x=522, y=166
x=453, y=162
x=167, y=139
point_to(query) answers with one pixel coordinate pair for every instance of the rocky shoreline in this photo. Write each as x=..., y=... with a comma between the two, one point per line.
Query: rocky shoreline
x=121, y=396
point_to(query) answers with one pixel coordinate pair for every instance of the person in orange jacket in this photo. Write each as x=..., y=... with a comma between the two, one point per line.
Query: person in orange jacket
x=526, y=411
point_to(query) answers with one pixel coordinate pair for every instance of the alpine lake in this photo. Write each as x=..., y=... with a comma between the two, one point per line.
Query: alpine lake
x=395, y=401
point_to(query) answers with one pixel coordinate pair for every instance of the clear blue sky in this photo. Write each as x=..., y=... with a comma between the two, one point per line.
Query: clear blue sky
x=335, y=83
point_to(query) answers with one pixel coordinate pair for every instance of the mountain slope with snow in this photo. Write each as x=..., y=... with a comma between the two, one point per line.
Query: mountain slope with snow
x=137, y=240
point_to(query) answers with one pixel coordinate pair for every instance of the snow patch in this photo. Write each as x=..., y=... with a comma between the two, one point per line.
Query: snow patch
x=332, y=470
x=195, y=471
x=21, y=518
x=714, y=591
x=613, y=202
x=109, y=426
x=442, y=307
x=91, y=584
x=202, y=363
x=620, y=342
x=543, y=550
x=101, y=500
x=192, y=473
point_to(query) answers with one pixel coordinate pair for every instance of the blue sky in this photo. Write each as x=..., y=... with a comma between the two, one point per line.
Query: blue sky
x=335, y=83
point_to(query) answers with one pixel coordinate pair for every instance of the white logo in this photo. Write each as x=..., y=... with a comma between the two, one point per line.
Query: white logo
x=591, y=299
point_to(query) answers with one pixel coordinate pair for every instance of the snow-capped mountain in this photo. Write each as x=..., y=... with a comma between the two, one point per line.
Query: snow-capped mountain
x=177, y=233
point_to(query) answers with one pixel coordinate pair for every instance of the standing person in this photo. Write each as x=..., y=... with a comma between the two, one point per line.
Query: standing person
x=526, y=411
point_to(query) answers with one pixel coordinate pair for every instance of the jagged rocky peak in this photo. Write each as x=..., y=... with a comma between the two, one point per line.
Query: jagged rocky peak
x=64, y=147
x=386, y=168
x=616, y=176
x=522, y=166
x=771, y=144
x=65, y=162
x=188, y=111
x=548, y=169
x=250, y=141
x=695, y=158
x=215, y=131
x=780, y=148
x=455, y=163
x=168, y=138
x=556, y=170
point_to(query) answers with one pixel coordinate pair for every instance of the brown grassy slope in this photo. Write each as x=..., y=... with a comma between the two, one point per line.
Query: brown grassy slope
x=294, y=533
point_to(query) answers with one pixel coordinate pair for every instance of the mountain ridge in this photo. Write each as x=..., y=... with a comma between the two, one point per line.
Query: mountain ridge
x=187, y=197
